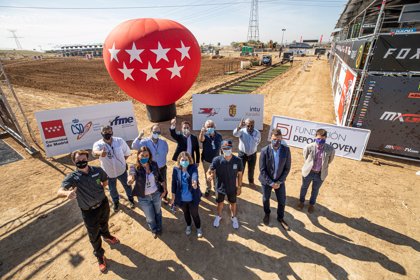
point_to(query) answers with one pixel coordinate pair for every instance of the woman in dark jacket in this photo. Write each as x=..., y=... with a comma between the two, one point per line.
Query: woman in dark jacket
x=149, y=187
x=185, y=191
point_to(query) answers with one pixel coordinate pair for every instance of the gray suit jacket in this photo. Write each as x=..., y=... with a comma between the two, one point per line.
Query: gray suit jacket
x=309, y=156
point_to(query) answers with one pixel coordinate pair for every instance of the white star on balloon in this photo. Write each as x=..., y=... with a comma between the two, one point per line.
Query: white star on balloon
x=175, y=70
x=184, y=51
x=161, y=53
x=114, y=52
x=151, y=72
x=127, y=72
x=134, y=53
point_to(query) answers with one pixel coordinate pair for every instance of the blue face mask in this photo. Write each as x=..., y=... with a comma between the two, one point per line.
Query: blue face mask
x=210, y=130
x=144, y=160
x=227, y=152
x=320, y=141
x=184, y=163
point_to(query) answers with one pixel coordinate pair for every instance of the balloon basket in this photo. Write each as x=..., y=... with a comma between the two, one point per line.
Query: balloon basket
x=161, y=113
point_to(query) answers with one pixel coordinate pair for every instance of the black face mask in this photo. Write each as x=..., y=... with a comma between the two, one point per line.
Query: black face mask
x=107, y=136
x=82, y=164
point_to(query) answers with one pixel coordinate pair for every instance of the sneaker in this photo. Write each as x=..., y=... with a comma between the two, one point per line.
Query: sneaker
x=102, y=264
x=188, y=230
x=300, y=205
x=199, y=233
x=311, y=208
x=112, y=240
x=266, y=219
x=207, y=193
x=116, y=206
x=216, y=222
x=132, y=205
x=235, y=223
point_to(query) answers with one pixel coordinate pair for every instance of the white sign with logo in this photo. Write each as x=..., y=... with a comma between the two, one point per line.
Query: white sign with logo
x=348, y=142
x=65, y=130
x=227, y=110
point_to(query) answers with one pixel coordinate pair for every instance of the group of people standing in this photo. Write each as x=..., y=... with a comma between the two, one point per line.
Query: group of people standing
x=147, y=178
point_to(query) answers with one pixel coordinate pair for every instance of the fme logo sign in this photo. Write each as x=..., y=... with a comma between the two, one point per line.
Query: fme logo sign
x=121, y=121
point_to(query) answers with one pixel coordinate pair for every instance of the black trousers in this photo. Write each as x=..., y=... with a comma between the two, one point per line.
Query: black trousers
x=252, y=159
x=96, y=222
x=191, y=210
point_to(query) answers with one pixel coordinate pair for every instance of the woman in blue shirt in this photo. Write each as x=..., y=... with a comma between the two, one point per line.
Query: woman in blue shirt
x=185, y=191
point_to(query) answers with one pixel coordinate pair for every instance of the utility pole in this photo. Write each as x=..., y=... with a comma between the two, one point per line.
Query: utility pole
x=13, y=31
x=282, y=36
x=253, y=29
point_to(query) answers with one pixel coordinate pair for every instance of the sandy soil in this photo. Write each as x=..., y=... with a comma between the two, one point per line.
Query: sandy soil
x=366, y=225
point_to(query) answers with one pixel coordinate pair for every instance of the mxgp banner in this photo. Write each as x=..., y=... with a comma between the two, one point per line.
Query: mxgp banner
x=227, y=110
x=390, y=108
x=348, y=142
x=65, y=130
x=396, y=53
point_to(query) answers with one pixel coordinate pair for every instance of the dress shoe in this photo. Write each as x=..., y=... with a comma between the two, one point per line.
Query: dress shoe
x=300, y=205
x=266, y=219
x=283, y=224
x=311, y=209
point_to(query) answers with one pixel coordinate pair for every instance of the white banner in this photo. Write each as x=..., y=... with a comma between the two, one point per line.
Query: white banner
x=65, y=130
x=348, y=142
x=227, y=110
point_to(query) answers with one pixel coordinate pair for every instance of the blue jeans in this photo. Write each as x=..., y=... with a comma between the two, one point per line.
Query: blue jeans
x=150, y=204
x=315, y=178
x=112, y=185
x=281, y=199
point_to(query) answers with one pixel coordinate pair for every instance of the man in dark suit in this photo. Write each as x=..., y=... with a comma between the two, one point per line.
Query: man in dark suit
x=185, y=140
x=275, y=162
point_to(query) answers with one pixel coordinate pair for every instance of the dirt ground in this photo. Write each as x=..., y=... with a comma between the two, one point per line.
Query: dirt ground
x=366, y=224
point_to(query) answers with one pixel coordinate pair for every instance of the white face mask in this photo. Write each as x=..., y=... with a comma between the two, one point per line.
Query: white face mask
x=227, y=153
x=155, y=135
x=186, y=132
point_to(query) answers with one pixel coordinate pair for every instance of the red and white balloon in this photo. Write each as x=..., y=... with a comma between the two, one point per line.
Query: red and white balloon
x=155, y=61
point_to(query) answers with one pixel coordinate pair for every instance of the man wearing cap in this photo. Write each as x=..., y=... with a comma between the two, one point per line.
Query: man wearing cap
x=158, y=148
x=275, y=162
x=212, y=141
x=86, y=184
x=227, y=172
x=317, y=156
x=249, y=139
x=113, y=153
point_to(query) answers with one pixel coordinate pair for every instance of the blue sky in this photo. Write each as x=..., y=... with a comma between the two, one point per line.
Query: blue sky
x=227, y=22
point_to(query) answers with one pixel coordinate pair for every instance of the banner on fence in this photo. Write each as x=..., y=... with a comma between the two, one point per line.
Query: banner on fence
x=227, y=110
x=390, y=108
x=65, y=130
x=348, y=142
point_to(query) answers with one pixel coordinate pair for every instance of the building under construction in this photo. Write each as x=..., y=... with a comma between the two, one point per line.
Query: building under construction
x=375, y=73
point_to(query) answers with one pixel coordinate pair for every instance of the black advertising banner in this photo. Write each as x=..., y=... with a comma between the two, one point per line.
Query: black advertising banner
x=351, y=52
x=396, y=53
x=390, y=108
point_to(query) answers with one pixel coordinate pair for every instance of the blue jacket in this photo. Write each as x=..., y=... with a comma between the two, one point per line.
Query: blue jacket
x=267, y=176
x=177, y=184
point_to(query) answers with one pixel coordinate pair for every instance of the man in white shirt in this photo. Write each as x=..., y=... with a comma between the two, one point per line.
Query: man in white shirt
x=113, y=153
x=158, y=148
x=249, y=139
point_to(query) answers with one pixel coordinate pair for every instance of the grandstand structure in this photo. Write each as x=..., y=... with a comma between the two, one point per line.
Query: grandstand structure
x=95, y=50
x=375, y=73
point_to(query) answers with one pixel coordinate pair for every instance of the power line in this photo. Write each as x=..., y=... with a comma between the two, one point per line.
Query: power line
x=289, y=2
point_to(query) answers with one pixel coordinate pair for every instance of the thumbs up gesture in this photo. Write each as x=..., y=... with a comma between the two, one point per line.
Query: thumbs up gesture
x=72, y=194
x=103, y=152
x=173, y=122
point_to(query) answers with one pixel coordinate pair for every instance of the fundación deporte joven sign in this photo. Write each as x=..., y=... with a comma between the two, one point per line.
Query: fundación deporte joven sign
x=65, y=130
x=348, y=142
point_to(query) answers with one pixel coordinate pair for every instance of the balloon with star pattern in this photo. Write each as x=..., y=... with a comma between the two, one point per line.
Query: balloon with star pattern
x=155, y=61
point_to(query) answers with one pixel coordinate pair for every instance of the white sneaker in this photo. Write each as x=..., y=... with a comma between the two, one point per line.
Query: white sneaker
x=188, y=230
x=235, y=223
x=216, y=222
x=199, y=233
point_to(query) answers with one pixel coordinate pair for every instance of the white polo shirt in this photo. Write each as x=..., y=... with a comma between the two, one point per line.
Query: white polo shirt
x=114, y=162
